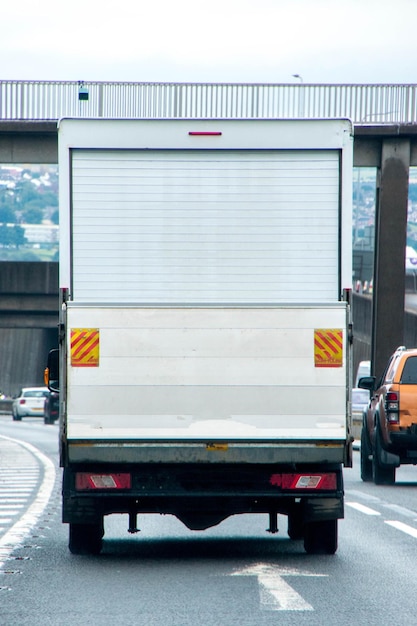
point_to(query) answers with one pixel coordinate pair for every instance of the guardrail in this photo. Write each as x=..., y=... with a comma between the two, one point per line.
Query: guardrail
x=5, y=407
x=363, y=104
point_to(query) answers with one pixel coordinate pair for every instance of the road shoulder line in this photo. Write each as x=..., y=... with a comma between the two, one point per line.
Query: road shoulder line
x=13, y=537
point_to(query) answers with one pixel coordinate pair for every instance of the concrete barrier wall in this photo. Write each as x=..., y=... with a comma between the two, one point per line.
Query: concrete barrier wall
x=362, y=328
x=28, y=277
x=23, y=357
x=5, y=407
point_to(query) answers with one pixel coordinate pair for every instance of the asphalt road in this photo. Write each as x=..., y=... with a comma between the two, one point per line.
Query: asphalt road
x=235, y=573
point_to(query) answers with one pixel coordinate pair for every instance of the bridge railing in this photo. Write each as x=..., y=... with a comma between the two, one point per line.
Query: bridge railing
x=363, y=104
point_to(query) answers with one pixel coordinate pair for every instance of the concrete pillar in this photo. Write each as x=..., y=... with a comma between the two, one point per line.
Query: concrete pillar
x=390, y=243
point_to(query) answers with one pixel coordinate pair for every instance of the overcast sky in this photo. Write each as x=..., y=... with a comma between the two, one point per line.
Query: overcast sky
x=324, y=41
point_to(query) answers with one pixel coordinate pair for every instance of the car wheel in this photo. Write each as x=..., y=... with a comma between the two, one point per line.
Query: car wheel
x=321, y=537
x=382, y=474
x=85, y=538
x=15, y=416
x=366, y=463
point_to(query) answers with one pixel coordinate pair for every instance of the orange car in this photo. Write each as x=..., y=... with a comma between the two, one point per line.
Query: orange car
x=389, y=429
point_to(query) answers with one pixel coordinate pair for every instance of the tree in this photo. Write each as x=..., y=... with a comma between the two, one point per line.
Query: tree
x=7, y=214
x=33, y=215
x=412, y=192
x=11, y=236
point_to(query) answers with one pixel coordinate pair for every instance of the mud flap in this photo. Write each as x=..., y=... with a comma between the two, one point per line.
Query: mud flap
x=318, y=509
x=388, y=458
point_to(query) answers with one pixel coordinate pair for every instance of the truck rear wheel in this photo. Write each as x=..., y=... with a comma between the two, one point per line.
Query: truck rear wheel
x=295, y=526
x=321, y=537
x=85, y=538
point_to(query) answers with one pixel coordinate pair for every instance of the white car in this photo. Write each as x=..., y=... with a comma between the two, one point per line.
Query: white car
x=30, y=402
x=364, y=369
x=360, y=400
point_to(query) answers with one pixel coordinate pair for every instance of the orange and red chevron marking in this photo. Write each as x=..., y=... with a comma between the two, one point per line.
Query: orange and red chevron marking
x=328, y=347
x=85, y=343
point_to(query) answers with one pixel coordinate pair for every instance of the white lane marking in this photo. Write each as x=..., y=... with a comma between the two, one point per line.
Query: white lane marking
x=19, y=483
x=405, y=528
x=12, y=538
x=362, y=508
x=6, y=479
x=17, y=490
x=401, y=510
x=275, y=593
x=7, y=506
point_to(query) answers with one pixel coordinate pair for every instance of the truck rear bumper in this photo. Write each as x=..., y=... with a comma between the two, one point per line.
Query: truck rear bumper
x=202, y=496
x=216, y=452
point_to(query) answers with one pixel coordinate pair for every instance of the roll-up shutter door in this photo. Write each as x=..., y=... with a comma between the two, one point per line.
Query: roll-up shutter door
x=207, y=227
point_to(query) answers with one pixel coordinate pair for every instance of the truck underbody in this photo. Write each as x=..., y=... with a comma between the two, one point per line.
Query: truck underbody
x=202, y=496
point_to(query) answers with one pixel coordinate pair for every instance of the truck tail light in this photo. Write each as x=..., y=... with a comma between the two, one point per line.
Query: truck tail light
x=305, y=481
x=86, y=481
x=392, y=407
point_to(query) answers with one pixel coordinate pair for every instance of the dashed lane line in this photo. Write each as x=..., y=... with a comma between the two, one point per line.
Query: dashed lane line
x=362, y=508
x=402, y=510
x=14, y=537
x=405, y=528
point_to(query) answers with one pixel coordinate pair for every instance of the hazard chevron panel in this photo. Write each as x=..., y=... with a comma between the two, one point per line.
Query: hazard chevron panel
x=85, y=347
x=328, y=347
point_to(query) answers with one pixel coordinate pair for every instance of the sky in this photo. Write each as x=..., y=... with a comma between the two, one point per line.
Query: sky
x=249, y=41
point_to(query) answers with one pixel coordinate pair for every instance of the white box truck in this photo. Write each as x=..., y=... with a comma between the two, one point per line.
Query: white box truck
x=204, y=363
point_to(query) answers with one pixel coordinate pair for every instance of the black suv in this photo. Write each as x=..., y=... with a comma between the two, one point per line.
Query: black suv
x=51, y=408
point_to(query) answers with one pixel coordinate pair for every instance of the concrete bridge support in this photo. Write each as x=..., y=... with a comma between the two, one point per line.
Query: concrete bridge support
x=391, y=149
x=390, y=243
x=29, y=307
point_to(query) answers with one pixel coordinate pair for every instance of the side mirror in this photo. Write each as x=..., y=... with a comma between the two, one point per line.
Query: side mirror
x=367, y=382
x=51, y=373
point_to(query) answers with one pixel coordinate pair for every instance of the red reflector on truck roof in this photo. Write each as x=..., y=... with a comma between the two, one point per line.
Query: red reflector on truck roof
x=87, y=481
x=304, y=481
x=205, y=133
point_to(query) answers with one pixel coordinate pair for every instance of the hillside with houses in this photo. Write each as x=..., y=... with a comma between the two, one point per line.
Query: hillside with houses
x=29, y=213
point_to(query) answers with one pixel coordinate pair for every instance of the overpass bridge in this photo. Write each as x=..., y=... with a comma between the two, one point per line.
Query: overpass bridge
x=385, y=126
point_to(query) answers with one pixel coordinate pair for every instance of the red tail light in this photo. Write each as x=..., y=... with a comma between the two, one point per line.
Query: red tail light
x=304, y=481
x=392, y=407
x=85, y=481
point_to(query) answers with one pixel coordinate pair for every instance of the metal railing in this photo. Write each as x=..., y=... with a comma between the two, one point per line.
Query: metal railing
x=51, y=100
